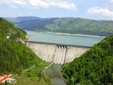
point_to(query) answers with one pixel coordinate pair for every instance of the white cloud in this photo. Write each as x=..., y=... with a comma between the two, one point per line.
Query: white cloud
x=111, y=1
x=62, y=4
x=40, y=3
x=100, y=11
x=19, y=2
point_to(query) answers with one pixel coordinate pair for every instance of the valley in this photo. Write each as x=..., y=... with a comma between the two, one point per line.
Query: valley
x=46, y=58
x=56, y=42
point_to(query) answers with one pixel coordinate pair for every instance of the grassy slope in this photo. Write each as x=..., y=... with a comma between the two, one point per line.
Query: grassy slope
x=34, y=76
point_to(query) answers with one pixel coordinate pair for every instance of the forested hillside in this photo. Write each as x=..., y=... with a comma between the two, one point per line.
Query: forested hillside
x=14, y=55
x=8, y=29
x=95, y=67
x=65, y=25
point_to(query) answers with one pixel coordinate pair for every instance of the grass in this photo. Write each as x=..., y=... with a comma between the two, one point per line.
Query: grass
x=34, y=76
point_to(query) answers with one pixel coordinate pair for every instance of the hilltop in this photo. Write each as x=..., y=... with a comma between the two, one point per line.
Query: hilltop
x=65, y=25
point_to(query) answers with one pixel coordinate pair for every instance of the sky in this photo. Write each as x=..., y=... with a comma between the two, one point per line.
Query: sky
x=91, y=9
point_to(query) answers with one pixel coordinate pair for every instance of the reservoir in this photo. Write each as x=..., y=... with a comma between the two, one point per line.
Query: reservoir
x=66, y=39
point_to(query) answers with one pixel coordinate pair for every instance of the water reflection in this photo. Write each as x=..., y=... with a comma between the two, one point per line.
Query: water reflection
x=54, y=73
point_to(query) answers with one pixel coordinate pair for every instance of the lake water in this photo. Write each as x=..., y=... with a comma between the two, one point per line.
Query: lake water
x=79, y=40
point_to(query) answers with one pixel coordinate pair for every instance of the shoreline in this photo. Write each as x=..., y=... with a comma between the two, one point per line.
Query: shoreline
x=67, y=34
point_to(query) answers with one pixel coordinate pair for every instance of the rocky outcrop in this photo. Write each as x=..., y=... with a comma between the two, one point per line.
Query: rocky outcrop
x=59, y=54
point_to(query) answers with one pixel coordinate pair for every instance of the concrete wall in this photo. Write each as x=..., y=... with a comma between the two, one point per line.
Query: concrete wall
x=57, y=53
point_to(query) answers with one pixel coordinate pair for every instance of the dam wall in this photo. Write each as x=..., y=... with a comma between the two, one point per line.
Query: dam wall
x=58, y=54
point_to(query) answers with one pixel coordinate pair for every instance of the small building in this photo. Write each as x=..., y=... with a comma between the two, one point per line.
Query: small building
x=4, y=78
x=8, y=37
x=11, y=80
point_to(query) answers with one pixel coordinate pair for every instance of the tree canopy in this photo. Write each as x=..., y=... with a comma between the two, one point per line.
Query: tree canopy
x=95, y=67
x=14, y=55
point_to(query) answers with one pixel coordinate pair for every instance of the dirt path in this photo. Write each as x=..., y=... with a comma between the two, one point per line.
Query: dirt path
x=27, y=70
x=47, y=68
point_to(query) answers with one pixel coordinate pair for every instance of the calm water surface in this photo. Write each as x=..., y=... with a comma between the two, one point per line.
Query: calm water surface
x=79, y=40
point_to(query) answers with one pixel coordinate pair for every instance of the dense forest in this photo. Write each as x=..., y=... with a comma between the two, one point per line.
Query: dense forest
x=95, y=67
x=14, y=55
x=65, y=25
x=8, y=29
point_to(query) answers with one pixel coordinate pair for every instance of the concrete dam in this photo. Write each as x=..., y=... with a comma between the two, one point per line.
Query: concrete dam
x=56, y=53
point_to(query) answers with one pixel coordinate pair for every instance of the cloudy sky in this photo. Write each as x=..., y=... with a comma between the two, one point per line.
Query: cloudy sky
x=92, y=9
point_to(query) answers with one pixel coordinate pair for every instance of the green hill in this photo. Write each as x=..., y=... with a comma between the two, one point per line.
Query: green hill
x=14, y=55
x=95, y=67
x=65, y=25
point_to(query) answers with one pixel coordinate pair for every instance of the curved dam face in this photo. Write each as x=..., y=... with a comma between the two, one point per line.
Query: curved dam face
x=58, y=54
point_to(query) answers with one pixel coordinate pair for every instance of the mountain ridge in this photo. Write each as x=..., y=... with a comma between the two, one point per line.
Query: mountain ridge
x=66, y=25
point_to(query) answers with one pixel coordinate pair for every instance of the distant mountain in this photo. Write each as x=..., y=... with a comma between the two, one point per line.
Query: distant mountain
x=14, y=55
x=65, y=25
x=19, y=19
x=95, y=67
